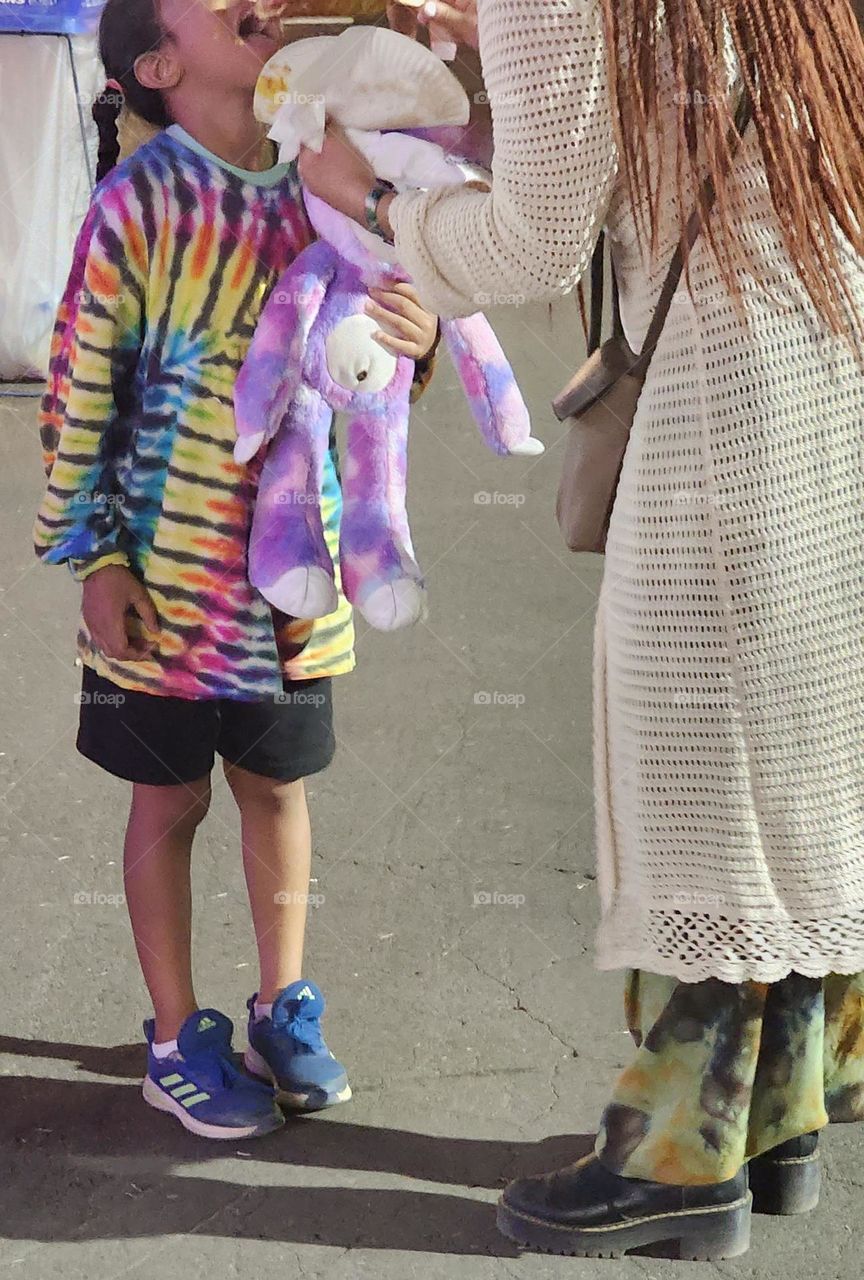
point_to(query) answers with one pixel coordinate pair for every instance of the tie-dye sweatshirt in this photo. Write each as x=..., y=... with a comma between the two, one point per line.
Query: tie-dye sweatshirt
x=172, y=267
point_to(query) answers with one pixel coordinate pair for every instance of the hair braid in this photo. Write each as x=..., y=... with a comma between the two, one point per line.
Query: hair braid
x=127, y=29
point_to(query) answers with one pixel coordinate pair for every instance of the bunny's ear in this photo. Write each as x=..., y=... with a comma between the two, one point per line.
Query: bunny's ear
x=273, y=368
x=493, y=394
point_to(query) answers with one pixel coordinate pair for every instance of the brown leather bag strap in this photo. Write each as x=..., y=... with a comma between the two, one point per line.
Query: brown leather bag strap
x=598, y=276
x=694, y=226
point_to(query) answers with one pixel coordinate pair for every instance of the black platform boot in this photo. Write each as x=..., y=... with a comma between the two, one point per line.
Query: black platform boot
x=588, y=1211
x=787, y=1178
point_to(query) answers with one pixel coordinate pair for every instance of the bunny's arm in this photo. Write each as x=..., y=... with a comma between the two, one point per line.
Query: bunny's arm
x=490, y=385
x=289, y=561
x=273, y=368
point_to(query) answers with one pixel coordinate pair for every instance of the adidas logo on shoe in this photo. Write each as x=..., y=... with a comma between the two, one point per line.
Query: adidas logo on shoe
x=206, y=1024
x=186, y=1093
x=305, y=994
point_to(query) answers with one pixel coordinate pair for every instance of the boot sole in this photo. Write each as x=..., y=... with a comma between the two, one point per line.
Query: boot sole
x=308, y=1100
x=785, y=1187
x=702, y=1235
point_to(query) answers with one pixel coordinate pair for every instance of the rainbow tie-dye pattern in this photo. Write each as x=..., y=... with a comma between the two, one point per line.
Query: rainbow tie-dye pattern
x=173, y=265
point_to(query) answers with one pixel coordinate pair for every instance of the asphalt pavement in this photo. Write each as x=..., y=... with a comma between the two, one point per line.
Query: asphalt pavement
x=454, y=868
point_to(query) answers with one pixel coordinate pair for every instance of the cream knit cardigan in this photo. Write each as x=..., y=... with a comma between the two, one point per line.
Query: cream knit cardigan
x=729, y=662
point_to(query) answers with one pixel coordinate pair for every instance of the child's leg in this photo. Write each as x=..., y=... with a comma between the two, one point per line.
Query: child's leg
x=157, y=856
x=269, y=747
x=277, y=859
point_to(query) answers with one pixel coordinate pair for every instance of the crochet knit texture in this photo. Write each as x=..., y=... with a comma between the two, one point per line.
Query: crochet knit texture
x=729, y=661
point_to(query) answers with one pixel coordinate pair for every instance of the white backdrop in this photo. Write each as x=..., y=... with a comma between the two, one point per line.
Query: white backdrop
x=44, y=189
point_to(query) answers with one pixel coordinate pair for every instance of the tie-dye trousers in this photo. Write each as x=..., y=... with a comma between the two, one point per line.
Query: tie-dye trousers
x=725, y=1071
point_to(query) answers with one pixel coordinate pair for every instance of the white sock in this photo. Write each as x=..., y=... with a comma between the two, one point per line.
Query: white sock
x=263, y=1010
x=164, y=1049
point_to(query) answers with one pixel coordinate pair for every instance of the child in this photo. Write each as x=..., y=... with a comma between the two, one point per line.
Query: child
x=182, y=658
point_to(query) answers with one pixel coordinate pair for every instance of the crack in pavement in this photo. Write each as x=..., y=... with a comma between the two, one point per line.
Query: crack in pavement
x=519, y=1007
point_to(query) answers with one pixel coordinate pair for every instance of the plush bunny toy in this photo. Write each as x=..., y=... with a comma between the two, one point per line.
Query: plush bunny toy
x=313, y=353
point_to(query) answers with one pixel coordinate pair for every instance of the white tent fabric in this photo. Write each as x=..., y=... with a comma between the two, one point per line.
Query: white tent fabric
x=44, y=187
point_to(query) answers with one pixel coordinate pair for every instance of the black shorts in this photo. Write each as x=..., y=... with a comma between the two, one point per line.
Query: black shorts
x=160, y=742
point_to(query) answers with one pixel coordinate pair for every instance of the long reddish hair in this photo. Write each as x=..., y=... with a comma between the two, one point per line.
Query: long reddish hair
x=803, y=62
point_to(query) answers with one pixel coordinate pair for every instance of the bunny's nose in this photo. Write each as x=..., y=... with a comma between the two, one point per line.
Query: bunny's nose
x=355, y=360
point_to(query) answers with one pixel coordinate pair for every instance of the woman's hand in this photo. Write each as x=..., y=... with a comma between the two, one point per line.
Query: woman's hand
x=407, y=328
x=456, y=21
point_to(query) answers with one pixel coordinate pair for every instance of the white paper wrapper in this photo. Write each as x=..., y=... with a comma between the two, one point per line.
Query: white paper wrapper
x=410, y=163
x=365, y=78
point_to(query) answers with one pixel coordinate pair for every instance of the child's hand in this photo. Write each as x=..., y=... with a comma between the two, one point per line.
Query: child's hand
x=407, y=328
x=109, y=594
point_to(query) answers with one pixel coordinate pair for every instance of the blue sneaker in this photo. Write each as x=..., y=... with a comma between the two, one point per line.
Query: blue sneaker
x=288, y=1048
x=202, y=1086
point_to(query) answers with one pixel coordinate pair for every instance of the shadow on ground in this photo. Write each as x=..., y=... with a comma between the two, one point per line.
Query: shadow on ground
x=73, y=1147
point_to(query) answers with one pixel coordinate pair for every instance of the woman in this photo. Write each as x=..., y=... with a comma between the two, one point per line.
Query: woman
x=730, y=629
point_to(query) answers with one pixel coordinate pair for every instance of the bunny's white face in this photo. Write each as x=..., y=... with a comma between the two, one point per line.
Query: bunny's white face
x=355, y=360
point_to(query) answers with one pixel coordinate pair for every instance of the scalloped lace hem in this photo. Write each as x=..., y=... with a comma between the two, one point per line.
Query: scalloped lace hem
x=693, y=946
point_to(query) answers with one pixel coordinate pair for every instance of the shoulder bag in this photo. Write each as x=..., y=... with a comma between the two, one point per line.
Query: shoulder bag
x=600, y=400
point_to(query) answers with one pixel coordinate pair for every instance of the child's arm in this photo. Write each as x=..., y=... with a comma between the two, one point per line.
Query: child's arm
x=95, y=350
x=94, y=354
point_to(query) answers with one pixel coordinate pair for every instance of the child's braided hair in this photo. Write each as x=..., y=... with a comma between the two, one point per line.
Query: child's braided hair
x=128, y=29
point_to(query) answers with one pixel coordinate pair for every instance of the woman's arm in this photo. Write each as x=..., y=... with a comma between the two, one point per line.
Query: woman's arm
x=554, y=166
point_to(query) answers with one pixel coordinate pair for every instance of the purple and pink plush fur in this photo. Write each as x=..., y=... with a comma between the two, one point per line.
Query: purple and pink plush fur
x=312, y=356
